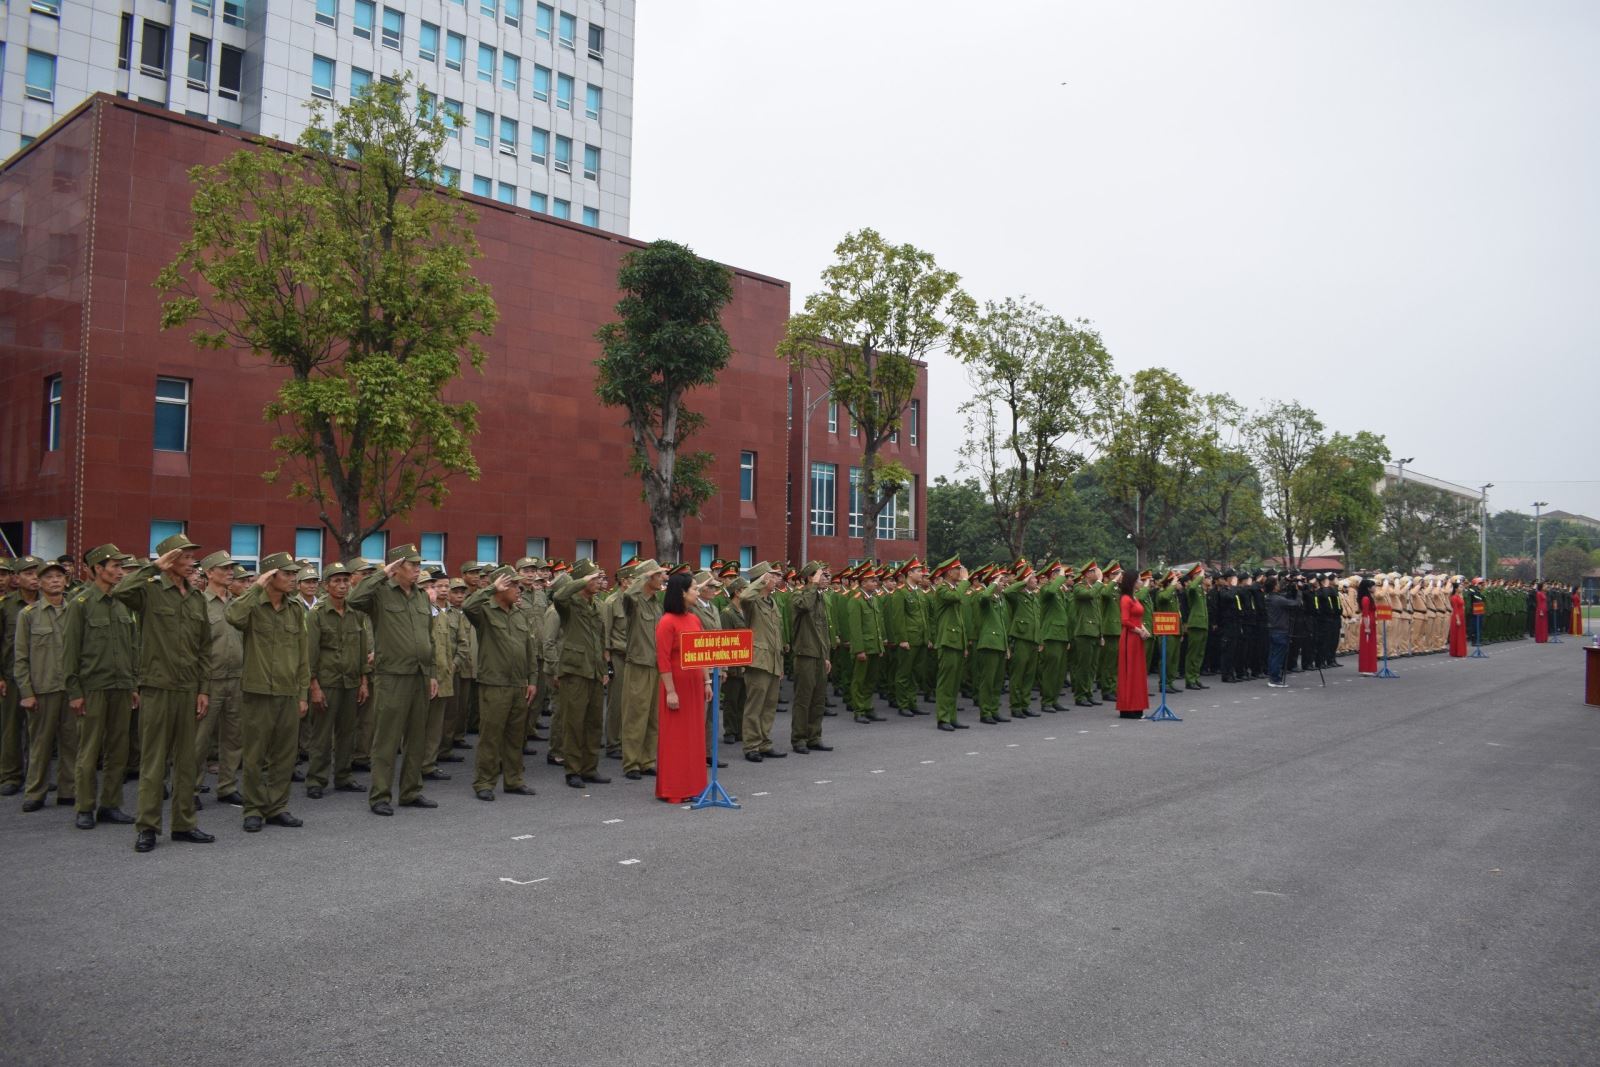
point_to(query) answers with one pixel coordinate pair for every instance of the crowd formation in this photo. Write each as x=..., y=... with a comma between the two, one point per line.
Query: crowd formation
x=180, y=668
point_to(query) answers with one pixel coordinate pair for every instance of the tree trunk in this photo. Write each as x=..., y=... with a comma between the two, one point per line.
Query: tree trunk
x=669, y=539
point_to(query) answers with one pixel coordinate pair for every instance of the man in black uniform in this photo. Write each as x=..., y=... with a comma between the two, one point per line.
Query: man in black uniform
x=1253, y=619
x=1330, y=616
x=1228, y=617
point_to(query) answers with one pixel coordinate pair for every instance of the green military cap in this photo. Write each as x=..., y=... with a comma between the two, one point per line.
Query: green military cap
x=626, y=571
x=583, y=570
x=499, y=573
x=733, y=587
x=240, y=572
x=102, y=553
x=560, y=582
x=702, y=577
x=216, y=559
x=759, y=571
x=176, y=541
x=52, y=565
x=457, y=583
x=361, y=563
x=471, y=566
x=426, y=575
x=333, y=570
x=644, y=568
x=404, y=552
x=308, y=570
x=810, y=569
x=529, y=561
x=26, y=563
x=280, y=561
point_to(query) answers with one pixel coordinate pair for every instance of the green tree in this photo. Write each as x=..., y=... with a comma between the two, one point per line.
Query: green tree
x=1339, y=484
x=958, y=524
x=1224, y=518
x=881, y=311
x=1424, y=524
x=1567, y=564
x=668, y=339
x=356, y=278
x=1282, y=440
x=1039, y=388
x=1155, y=444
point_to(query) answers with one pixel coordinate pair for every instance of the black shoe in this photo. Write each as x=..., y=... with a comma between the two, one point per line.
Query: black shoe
x=920, y=711
x=10, y=789
x=1049, y=709
x=528, y=749
x=721, y=763
x=68, y=802
x=116, y=815
x=32, y=805
x=459, y=745
x=419, y=802
x=313, y=792
x=1083, y=703
x=145, y=841
x=436, y=775
x=85, y=820
x=907, y=713
x=380, y=808
x=962, y=725
x=633, y=776
x=773, y=753
x=283, y=818
x=196, y=836
x=650, y=772
x=597, y=779
x=350, y=787
x=205, y=789
x=753, y=757
x=947, y=727
x=830, y=714
x=818, y=746
x=554, y=761
x=613, y=753
x=449, y=757
x=485, y=794
x=537, y=736
x=875, y=717
x=863, y=719
x=1057, y=706
x=298, y=775
x=197, y=805
x=254, y=823
x=513, y=790
x=361, y=765
x=800, y=747
x=574, y=780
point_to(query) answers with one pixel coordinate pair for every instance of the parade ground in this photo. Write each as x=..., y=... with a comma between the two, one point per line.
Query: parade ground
x=1375, y=872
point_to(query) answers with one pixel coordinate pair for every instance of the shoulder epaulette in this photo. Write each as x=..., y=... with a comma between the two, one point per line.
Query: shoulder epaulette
x=27, y=609
x=82, y=598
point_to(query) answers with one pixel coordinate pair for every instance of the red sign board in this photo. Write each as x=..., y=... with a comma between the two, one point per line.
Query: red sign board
x=718, y=648
x=1166, y=624
x=1478, y=607
x=1384, y=613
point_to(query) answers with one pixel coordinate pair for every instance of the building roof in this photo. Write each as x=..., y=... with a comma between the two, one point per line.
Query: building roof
x=1568, y=516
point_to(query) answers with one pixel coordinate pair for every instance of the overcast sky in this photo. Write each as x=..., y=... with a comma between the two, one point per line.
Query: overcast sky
x=1387, y=211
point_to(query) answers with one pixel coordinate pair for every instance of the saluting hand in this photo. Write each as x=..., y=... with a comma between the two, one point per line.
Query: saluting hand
x=167, y=561
x=265, y=576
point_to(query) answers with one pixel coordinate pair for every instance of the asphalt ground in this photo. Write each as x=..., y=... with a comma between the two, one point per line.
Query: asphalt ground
x=1376, y=872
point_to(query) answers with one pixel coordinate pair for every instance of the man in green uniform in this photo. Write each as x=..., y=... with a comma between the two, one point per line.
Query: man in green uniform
x=614, y=629
x=508, y=673
x=536, y=578
x=98, y=662
x=1196, y=627
x=641, y=608
x=340, y=646
x=367, y=710
x=1027, y=641
x=991, y=650
x=766, y=667
x=1087, y=643
x=732, y=617
x=949, y=632
x=1109, y=599
x=466, y=671
x=224, y=698
x=865, y=635
x=1165, y=599
x=42, y=686
x=446, y=628
x=24, y=571
x=905, y=624
x=812, y=644
x=174, y=662
x=402, y=637
x=581, y=674
x=277, y=675
x=1055, y=629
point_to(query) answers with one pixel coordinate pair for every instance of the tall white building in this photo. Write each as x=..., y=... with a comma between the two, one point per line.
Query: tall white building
x=543, y=91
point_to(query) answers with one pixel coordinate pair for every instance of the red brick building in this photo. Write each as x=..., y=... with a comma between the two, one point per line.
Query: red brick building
x=111, y=430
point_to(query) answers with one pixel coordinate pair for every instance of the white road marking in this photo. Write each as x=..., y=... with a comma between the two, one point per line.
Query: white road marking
x=972, y=753
x=626, y=862
x=823, y=781
x=1049, y=739
x=878, y=771
x=763, y=793
x=1496, y=744
x=612, y=822
x=1266, y=893
x=1011, y=746
x=535, y=881
x=523, y=837
x=926, y=762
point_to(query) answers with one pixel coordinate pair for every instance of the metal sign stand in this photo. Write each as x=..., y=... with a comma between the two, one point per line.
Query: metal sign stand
x=1479, y=653
x=1163, y=713
x=714, y=796
x=1386, y=672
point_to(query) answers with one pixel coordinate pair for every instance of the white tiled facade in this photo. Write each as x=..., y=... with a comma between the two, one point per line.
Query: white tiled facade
x=253, y=64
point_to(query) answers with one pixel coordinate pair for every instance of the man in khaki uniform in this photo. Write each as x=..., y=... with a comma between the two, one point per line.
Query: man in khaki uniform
x=508, y=672
x=641, y=607
x=24, y=572
x=42, y=687
x=614, y=625
x=534, y=581
x=581, y=674
x=466, y=664
x=277, y=674
x=812, y=646
x=99, y=657
x=446, y=638
x=402, y=636
x=225, y=700
x=174, y=661
x=339, y=644
x=761, y=677
x=550, y=652
x=366, y=710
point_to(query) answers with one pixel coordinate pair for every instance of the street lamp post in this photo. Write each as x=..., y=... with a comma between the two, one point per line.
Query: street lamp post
x=1400, y=516
x=1538, y=544
x=1483, y=530
x=805, y=475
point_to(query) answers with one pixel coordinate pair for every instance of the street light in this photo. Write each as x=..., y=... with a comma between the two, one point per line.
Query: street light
x=1400, y=516
x=1538, y=549
x=1483, y=530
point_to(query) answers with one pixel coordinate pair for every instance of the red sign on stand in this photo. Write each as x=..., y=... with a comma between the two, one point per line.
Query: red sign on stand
x=718, y=648
x=1166, y=624
x=1383, y=613
x=1477, y=607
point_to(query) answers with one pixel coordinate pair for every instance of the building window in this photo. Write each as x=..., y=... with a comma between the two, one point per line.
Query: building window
x=201, y=8
x=125, y=43
x=630, y=552
x=233, y=13
x=199, y=72
x=858, y=525
x=52, y=414
x=428, y=42
x=160, y=530
x=366, y=15
x=47, y=7
x=153, y=49
x=47, y=538
x=833, y=415
x=488, y=548
x=591, y=162
x=483, y=129
x=747, y=475
x=708, y=555
x=593, y=96
x=544, y=20
x=360, y=82
x=563, y=209
x=855, y=430
x=172, y=415
x=486, y=64
x=308, y=545
x=245, y=547
x=564, y=84
x=322, y=77
x=747, y=557
x=394, y=28
x=508, y=135
x=597, y=42
x=455, y=50
x=482, y=186
x=510, y=72
x=230, y=73
x=513, y=12
x=824, y=477
x=375, y=547
x=538, y=202
x=591, y=217
x=506, y=194
x=535, y=547
x=451, y=178
x=328, y=12
x=587, y=550
x=913, y=420
x=563, y=154
x=568, y=34
x=895, y=520
x=539, y=146
x=432, y=550
x=541, y=83
x=488, y=9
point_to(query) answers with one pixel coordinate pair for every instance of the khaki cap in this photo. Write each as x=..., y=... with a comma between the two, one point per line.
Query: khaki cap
x=404, y=552
x=756, y=573
x=26, y=563
x=216, y=559
x=646, y=567
x=333, y=570
x=280, y=561
x=176, y=541
x=105, y=552
x=584, y=570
